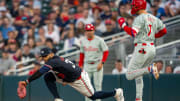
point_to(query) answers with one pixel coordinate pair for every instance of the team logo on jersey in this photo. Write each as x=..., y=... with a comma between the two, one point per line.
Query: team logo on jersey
x=90, y=48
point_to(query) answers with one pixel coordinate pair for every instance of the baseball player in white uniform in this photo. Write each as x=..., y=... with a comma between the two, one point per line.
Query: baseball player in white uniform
x=145, y=29
x=93, y=54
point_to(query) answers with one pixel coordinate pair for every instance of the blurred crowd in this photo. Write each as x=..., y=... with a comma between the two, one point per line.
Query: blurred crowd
x=28, y=25
x=161, y=66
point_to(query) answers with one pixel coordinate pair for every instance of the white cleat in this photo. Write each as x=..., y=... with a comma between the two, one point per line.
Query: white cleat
x=119, y=95
x=154, y=71
x=58, y=100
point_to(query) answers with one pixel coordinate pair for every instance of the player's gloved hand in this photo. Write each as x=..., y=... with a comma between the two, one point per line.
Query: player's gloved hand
x=121, y=22
x=21, y=90
x=99, y=67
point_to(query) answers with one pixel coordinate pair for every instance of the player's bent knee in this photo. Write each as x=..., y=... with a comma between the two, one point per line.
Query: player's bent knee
x=129, y=76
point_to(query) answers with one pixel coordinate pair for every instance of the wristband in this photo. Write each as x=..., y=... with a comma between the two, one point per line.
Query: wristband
x=27, y=82
x=123, y=25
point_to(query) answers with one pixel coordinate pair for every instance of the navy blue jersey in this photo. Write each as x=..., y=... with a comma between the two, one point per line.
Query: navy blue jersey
x=63, y=68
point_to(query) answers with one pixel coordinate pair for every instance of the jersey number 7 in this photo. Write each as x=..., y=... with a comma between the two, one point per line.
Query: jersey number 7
x=149, y=29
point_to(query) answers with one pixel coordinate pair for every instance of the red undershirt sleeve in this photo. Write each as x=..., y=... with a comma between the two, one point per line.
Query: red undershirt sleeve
x=132, y=32
x=161, y=33
x=81, y=59
x=105, y=55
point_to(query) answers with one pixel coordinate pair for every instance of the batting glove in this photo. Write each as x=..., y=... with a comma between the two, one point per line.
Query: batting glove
x=122, y=22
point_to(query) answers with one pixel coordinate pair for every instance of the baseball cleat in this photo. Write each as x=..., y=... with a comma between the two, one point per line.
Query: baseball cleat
x=119, y=95
x=154, y=71
x=58, y=100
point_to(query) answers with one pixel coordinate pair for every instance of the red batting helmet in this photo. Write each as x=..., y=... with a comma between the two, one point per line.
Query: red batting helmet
x=138, y=5
x=89, y=27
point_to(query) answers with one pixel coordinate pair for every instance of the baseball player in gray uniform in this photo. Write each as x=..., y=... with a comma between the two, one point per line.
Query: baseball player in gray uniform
x=93, y=54
x=145, y=29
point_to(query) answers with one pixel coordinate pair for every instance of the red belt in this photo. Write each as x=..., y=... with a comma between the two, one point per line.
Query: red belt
x=143, y=44
x=91, y=63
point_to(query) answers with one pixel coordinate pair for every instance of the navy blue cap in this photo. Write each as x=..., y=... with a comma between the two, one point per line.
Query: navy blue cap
x=45, y=51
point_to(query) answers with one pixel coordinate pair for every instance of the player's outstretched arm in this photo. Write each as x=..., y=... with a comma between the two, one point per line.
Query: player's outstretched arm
x=39, y=73
x=131, y=31
x=22, y=84
x=21, y=90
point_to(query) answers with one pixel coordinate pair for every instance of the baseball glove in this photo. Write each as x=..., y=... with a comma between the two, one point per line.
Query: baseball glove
x=21, y=90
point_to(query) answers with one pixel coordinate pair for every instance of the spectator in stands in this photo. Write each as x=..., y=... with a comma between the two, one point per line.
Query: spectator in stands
x=169, y=69
x=29, y=34
x=13, y=47
x=34, y=24
x=111, y=3
x=160, y=66
x=14, y=8
x=130, y=20
x=119, y=68
x=100, y=25
x=6, y=27
x=22, y=12
x=86, y=4
x=27, y=55
x=11, y=36
x=37, y=66
x=17, y=56
x=1, y=23
x=128, y=7
x=177, y=70
x=63, y=20
x=3, y=3
x=71, y=41
x=86, y=19
x=96, y=12
x=65, y=33
x=172, y=7
x=31, y=42
x=49, y=43
x=52, y=31
x=122, y=10
x=80, y=30
x=159, y=10
x=5, y=14
x=79, y=13
x=115, y=15
x=72, y=17
x=93, y=8
x=6, y=62
x=97, y=32
x=22, y=26
x=39, y=46
x=2, y=43
x=106, y=14
x=109, y=28
x=41, y=35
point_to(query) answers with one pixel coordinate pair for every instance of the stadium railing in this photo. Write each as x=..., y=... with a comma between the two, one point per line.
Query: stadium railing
x=114, y=41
